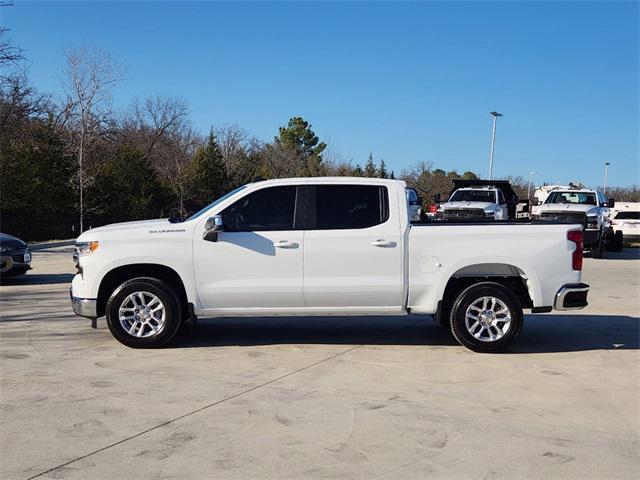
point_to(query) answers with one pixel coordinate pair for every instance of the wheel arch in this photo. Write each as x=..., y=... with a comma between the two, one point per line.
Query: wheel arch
x=121, y=274
x=510, y=276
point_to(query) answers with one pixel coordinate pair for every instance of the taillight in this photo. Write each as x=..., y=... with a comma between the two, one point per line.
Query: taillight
x=433, y=208
x=576, y=237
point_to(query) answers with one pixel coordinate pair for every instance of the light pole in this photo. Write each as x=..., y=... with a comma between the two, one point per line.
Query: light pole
x=493, y=142
x=531, y=173
x=606, y=170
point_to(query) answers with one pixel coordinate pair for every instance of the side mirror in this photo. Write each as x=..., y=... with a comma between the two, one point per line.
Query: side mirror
x=416, y=201
x=611, y=203
x=212, y=227
x=437, y=198
x=535, y=202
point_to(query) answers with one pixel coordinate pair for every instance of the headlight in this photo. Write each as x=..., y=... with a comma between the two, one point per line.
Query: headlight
x=592, y=221
x=4, y=249
x=86, y=248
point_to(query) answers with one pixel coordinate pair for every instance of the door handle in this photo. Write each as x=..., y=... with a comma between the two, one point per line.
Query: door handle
x=285, y=244
x=383, y=243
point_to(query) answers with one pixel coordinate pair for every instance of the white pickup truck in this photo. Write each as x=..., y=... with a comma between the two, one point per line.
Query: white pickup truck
x=324, y=246
x=475, y=200
x=586, y=207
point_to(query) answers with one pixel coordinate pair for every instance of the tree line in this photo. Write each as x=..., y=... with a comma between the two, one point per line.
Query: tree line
x=75, y=162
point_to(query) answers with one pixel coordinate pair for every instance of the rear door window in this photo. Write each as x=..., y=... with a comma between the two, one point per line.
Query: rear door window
x=628, y=216
x=348, y=206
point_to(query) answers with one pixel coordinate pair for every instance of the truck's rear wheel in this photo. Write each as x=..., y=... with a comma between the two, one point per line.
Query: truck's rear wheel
x=486, y=317
x=143, y=313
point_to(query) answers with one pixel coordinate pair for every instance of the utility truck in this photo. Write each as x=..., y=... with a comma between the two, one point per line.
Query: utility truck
x=325, y=246
x=476, y=200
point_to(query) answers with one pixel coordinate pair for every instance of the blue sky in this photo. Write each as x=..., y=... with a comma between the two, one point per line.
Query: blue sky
x=409, y=82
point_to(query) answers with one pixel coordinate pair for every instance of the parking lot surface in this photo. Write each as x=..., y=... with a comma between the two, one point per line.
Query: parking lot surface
x=350, y=397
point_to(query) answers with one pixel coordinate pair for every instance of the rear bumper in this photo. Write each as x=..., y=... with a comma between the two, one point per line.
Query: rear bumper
x=85, y=307
x=572, y=296
x=630, y=234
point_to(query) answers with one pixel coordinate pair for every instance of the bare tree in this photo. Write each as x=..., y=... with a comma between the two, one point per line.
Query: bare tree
x=233, y=142
x=419, y=177
x=159, y=128
x=90, y=76
x=280, y=161
x=624, y=194
x=243, y=154
x=148, y=121
x=9, y=53
x=171, y=160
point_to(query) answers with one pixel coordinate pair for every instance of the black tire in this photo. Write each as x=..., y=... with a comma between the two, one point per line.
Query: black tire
x=470, y=296
x=596, y=248
x=169, y=300
x=617, y=242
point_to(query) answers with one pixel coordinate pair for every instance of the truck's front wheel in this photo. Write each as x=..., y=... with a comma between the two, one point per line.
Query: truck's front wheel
x=486, y=317
x=598, y=246
x=143, y=313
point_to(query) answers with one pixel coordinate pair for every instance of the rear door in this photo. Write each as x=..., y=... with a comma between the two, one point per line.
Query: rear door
x=353, y=249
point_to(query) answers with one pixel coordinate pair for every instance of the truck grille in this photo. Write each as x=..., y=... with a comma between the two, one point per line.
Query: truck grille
x=565, y=217
x=464, y=214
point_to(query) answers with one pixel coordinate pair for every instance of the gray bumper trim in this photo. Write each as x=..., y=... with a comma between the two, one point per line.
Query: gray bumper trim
x=576, y=288
x=85, y=307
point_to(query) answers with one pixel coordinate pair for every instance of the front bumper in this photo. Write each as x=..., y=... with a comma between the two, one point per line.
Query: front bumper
x=572, y=297
x=18, y=259
x=85, y=307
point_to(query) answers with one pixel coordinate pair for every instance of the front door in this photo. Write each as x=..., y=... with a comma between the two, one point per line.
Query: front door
x=353, y=250
x=256, y=263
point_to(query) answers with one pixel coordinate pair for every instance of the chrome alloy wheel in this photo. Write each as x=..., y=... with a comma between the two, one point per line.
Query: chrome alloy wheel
x=488, y=319
x=142, y=314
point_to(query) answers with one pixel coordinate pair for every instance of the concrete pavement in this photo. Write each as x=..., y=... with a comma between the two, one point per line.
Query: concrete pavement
x=387, y=397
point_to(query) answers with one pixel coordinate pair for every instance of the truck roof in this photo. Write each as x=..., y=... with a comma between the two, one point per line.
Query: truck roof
x=334, y=180
x=573, y=190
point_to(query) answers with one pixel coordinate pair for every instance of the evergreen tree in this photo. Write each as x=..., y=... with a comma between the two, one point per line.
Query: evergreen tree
x=392, y=176
x=207, y=173
x=370, y=169
x=126, y=188
x=35, y=173
x=382, y=170
x=299, y=137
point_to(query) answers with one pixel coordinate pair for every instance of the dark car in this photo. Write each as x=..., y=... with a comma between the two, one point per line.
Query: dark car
x=15, y=257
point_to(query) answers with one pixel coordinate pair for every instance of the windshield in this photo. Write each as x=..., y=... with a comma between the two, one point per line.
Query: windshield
x=579, y=198
x=628, y=216
x=214, y=203
x=474, y=196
